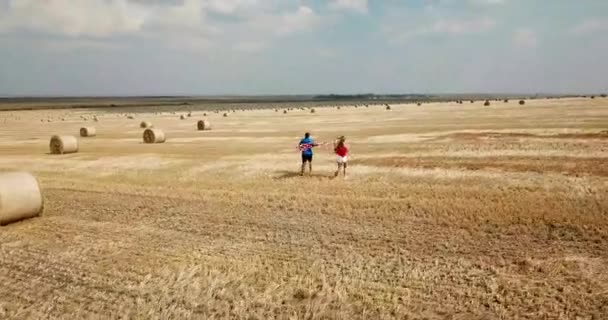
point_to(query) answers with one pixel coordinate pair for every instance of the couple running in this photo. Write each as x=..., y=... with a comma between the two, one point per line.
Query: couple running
x=340, y=150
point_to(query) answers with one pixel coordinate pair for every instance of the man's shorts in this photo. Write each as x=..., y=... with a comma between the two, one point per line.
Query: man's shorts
x=306, y=158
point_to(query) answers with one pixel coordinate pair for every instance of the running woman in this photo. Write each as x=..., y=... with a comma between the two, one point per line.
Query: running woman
x=341, y=155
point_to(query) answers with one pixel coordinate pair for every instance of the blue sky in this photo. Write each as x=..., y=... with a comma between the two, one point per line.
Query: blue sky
x=158, y=47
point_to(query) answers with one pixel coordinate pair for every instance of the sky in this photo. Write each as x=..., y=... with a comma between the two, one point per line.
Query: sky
x=262, y=47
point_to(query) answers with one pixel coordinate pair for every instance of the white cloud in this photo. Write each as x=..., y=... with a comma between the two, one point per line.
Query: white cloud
x=191, y=23
x=95, y=18
x=525, y=38
x=590, y=26
x=303, y=19
x=354, y=5
x=442, y=26
x=487, y=2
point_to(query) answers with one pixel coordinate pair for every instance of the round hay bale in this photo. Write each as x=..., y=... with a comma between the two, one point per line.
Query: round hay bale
x=182, y=117
x=225, y=114
x=63, y=144
x=522, y=102
x=130, y=117
x=154, y=136
x=189, y=114
x=487, y=103
x=203, y=125
x=284, y=111
x=20, y=197
x=312, y=111
x=204, y=114
x=506, y=101
x=388, y=107
x=145, y=125
x=88, y=132
x=419, y=104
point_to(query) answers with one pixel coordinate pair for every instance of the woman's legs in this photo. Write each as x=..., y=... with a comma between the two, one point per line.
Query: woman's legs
x=338, y=171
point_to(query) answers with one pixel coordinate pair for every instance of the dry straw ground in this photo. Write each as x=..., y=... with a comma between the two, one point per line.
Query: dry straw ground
x=450, y=212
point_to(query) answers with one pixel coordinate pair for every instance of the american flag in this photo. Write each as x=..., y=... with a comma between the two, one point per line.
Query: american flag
x=305, y=147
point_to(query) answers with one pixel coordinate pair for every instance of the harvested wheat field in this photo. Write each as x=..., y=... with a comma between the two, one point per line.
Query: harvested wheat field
x=450, y=211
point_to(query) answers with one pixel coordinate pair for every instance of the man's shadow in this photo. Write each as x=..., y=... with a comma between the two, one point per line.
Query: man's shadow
x=284, y=174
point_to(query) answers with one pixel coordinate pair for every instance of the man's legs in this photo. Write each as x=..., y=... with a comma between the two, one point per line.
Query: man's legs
x=338, y=170
x=344, y=165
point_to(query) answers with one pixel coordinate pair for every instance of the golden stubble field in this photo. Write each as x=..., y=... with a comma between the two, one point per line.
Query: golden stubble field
x=449, y=212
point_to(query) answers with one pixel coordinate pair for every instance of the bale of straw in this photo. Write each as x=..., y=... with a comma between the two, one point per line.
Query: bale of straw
x=312, y=111
x=388, y=107
x=63, y=144
x=203, y=125
x=284, y=111
x=145, y=125
x=154, y=136
x=20, y=197
x=189, y=114
x=130, y=117
x=487, y=103
x=182, y=117
x=88, y=132
x=522, y=102
x=225, y=114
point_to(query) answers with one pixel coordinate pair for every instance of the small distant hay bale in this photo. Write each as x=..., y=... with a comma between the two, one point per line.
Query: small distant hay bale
x=130, y=117
x=472, y=101
x=419, y=104
x=203, y=125
x=145, y=125
x=154, y=136
x=388, y=107
x=284, y=111
x=592, y=97
x=204, y=114
x=506, y=101
x=312, y=111
x=182, y=117
x=88, y=132
x=487, y=103
x=225, y=114
x=189, y=114
x=95, y=119
x=522, y=102
x=21, y=197
x=63, y=144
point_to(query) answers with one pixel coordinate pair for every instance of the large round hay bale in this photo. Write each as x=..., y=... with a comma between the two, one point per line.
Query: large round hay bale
x=203, y=125
x=487, y=103
x=20, y=197
x=522, y=102
x=145, y=125
x=154, y=136
x=63, y=144
x=88, y=132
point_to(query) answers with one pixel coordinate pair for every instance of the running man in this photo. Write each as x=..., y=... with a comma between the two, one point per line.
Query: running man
x=306, y=146
x=341, y=155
